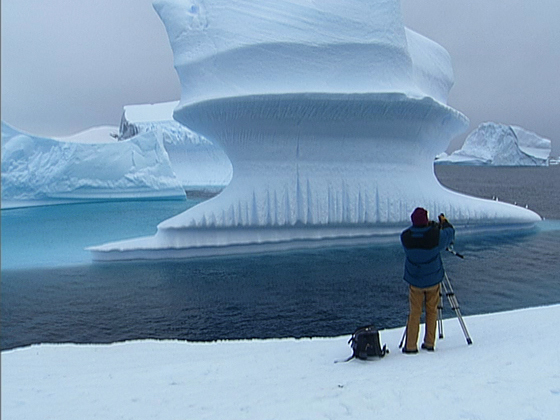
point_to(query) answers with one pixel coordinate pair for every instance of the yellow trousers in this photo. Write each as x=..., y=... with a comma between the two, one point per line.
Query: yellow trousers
x=418, y=298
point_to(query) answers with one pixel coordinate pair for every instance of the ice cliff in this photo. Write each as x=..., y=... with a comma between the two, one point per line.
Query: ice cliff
x=331, y=113
x=501, y=145
x=197, y=162
x=38, y=170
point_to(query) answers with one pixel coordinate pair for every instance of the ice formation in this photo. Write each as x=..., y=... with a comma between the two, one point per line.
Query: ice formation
x=198, y=163
x=501, y=145
x=38, y=170
x=331, y=113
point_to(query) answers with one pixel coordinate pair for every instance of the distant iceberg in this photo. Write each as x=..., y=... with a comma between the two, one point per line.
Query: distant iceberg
x=493, y=144
x=88, y=166
x=198, y=163
x=331, y=113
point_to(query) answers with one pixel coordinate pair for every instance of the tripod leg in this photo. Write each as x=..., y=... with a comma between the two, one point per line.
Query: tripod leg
x=403, y=337
x=440, y=314
x=464, y=327
x=455, y=306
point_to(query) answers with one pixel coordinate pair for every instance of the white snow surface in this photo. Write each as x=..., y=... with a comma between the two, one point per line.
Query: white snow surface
x=501, y=145
x=197, y=162
x=511, y=371
x=39, y=171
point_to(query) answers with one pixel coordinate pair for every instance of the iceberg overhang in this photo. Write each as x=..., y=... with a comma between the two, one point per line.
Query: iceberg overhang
x=318, y=170
x=331, y=132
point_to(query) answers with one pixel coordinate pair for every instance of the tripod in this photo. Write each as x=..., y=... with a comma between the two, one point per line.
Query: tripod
x=450, y=293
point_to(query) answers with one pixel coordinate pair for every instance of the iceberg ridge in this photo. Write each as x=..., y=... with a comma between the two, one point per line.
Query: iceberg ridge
x=38, y=170
x=501, y=145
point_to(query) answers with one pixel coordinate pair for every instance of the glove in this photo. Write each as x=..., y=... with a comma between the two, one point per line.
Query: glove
x=442, y=220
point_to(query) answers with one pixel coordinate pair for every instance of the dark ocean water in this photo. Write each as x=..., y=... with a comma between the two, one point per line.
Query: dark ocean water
x=297, y=294
x=535, y=187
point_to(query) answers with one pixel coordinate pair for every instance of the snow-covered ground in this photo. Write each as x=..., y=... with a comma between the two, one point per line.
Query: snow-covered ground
x=512, y=371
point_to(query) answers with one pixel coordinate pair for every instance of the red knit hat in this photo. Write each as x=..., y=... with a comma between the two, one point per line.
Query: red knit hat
x=419, y=217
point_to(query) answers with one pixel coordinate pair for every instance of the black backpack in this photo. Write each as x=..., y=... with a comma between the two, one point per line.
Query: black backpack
x=365, y=343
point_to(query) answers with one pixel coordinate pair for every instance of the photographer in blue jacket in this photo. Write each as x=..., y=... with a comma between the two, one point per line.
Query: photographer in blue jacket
x=423, y=270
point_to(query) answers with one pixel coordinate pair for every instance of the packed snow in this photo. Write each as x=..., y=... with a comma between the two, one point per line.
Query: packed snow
x=501, y=145
x=511, y=371
x=39, y=171
x=198, y=163
x=331, y=114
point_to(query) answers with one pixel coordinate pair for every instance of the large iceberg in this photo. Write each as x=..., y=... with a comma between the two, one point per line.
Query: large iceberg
x=198, y=163
x=501, y=145
x=89, y=166
x=331, y=113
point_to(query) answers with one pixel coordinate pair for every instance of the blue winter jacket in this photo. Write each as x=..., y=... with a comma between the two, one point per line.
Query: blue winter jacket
x=422, y=245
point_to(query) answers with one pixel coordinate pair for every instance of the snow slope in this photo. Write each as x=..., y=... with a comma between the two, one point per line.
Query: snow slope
x=512, y=371
x=501, y=145
x=197, y=162
x=37, y=170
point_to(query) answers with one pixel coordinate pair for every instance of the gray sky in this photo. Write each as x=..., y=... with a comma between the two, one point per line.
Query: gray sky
x=68, y=65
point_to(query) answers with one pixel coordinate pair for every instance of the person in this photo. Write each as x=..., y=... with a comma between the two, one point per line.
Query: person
x=423, y=271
